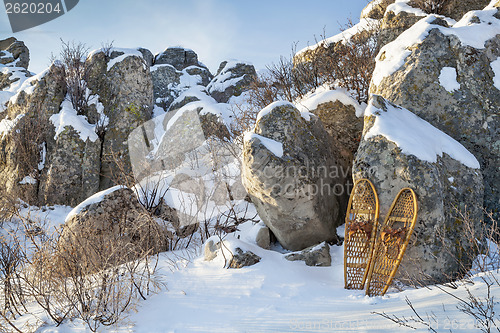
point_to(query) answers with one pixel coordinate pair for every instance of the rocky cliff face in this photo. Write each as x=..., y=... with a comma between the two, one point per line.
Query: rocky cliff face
x=80, y=150
x=449, y=80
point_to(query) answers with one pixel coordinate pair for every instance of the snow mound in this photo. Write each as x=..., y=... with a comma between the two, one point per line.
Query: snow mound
x=495, y=65
x=416, y=136
x=68, y=117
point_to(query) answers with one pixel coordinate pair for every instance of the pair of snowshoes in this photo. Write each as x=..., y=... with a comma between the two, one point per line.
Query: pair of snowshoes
x=373, y=252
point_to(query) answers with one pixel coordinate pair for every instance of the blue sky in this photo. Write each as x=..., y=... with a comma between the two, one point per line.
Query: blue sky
x=258, y=31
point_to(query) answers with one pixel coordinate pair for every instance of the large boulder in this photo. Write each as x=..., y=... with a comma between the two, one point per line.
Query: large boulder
x=447, y=77
x=292, y=176
x=232, y=79
x=400, y=150
x=25, y=144
x=125, y=89
x=109, y=228
x=70, y=173
x=178, y=57
x=395, y=22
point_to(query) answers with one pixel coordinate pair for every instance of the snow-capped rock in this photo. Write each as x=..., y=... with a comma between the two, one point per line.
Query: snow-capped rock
x=292, y=176
x=401, y=150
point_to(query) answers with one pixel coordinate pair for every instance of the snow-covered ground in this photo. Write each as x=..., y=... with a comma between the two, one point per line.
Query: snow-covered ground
x=275, y=295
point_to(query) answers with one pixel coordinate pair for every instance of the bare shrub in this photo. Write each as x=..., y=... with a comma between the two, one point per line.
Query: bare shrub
x=74, y=73
x=483, y=239
x=348, y=63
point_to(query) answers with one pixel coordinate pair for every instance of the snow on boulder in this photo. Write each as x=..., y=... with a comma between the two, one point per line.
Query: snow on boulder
x=291, y=173
x=342, y=117
x=173, y=74
x=109, y=228
x=232, y=79
x=401, y=150
x=447, y=75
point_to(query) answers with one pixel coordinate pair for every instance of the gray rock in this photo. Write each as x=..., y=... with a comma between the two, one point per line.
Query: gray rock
x=469, y=113
x=18, y=54
x=126, y=92
x=242, y=259
x=178, y=57
x=71, y=169
x=345, y=131
x=454, y=9
x=444, y=188
x=299, y=195
x=116, y=219
x=164, y=77
x=263, y=238
x=147, y=56
x=167, y=85
x=318, y=255
x=232, y=79
x=376, y=9
x=15, y=56
x=393, y=25
x=21, y=148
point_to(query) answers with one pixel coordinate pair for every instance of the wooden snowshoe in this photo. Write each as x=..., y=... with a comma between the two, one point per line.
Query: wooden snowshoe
x=392, y=241
x=360, y=232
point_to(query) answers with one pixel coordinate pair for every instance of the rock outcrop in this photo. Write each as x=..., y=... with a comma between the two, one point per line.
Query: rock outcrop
x=232, y=79
x=445, y=187
x=448, y=79
x=175, y=71
x=342, y=117
x=292, y=176
x=13, y=52
x=125, y=89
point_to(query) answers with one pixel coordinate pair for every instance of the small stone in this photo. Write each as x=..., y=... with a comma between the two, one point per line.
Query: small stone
x=318, y=255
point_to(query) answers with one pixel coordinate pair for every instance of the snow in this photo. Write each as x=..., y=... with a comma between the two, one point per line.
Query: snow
x=403, y=6
x=273, y=146
x=96, y=198
x=370, y=6
x=17, y=74
x=415, y=136
x=68, y=117
x=6, y=125
x=396, y=52
x=28, y=180
x=43, y=156
x=265, y=111
x=127, y=53
x=469, y=34
x=448, y=79
x=365, y=24
x=495, y=66
x=324, y=95
x=223, y=80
